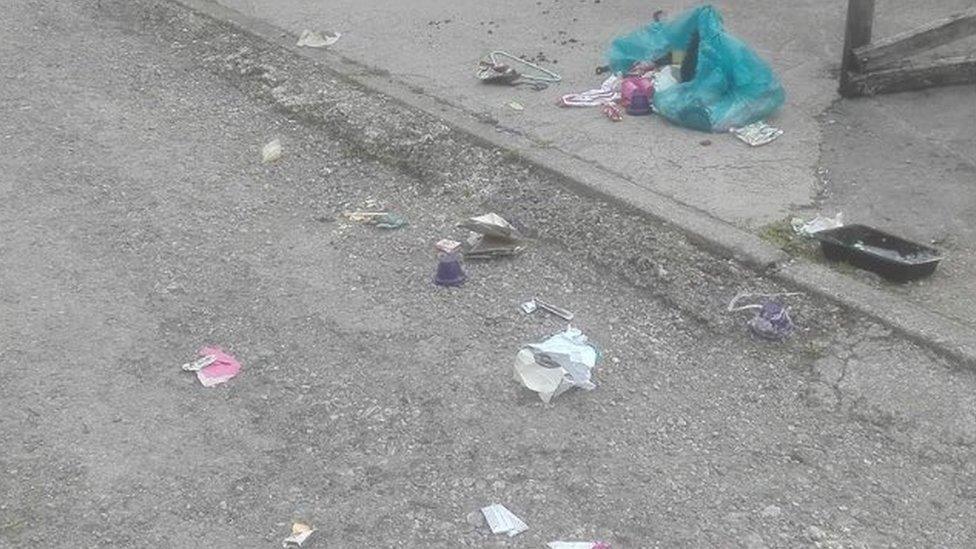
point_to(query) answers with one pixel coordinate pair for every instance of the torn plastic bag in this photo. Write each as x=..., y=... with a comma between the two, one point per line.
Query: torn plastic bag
x=559, y=363
x=725, y=83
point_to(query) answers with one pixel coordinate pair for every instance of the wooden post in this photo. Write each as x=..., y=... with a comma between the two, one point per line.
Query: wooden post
x=915, y=76
x=857, y=33
x=890, y=51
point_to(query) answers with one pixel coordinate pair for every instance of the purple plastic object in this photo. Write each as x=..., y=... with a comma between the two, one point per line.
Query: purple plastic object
x=634, y=85
x=449, y=271
x=772, y=322
x=640, y=104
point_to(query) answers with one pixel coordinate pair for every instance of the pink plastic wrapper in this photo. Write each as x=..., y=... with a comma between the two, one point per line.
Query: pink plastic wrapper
x=224, y=367
x=635, y=85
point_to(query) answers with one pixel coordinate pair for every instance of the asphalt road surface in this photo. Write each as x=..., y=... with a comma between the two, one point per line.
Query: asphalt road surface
x=137, y=224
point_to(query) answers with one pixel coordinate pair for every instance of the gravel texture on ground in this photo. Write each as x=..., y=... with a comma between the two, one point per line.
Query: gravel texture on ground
x=139, y=224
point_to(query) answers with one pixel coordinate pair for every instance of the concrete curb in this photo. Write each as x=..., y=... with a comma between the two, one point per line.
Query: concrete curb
x=944, y=335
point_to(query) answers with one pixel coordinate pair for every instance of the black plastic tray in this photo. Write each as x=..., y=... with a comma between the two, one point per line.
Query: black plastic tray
x=891, y=257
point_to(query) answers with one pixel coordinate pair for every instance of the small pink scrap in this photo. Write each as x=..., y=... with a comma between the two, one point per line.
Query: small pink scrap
x=223, y=368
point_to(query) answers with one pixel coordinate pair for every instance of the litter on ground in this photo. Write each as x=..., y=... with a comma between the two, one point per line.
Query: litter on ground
x=559, y=363
x=492, y=71
x=608, y=92
x=199, y=363
x=772, y=322
x=530, y=307
x=820, y=223
x=299, y=533
x=757, y=133
x=578, y=545
x=772, y=319
x=213, y=367
x=449, y=271
x=503, y=521
x=271, y=152
x=516, y=106
x=491, y=236
x=382, y=220
x=313, y=39
x=447, y=246
x=723, y=83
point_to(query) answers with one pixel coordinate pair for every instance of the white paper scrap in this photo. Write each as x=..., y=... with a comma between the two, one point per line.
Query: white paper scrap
x=502, y=521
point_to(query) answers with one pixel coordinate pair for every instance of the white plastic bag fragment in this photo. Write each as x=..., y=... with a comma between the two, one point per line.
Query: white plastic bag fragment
x=817, y=224
x=271, y=152
x=503, y=521
x=559, y=363
x=312, y=39
x=577, y=545
x=664, y=78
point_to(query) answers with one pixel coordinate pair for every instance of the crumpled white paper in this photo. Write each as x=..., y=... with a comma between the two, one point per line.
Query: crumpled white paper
x=559, y=363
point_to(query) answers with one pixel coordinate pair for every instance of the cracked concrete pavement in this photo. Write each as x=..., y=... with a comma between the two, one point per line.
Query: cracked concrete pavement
x=138, y=223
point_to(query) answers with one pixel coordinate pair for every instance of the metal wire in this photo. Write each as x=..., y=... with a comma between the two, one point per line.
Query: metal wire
x=549, y=77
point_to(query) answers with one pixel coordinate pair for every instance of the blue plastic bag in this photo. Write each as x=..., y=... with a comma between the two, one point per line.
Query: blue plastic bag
x=726, y=84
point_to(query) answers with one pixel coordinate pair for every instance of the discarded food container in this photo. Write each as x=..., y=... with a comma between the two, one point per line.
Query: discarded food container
x=449, y=271
x=891, y=257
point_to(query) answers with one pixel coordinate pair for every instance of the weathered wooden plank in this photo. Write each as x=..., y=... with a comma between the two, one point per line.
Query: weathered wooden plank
x=899, y=47
x=914, y=76
x=857, y=33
